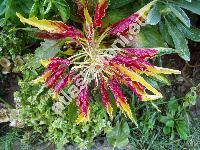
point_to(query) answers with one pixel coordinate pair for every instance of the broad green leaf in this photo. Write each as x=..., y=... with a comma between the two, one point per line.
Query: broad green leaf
x=179, y=41
x=190, y=98
x=164, y=119
x=118, y=136
x=71, y=108
x=165, y=34
x=3, y=7
x=63, y=9
x=23, y=6
x=8, y=11
x=166, y=130
x=164, y=51
x=191, y=33
x=118, y=14
x=172, y=106
x=47, y=49
x=149, y=37
x=13, y=6
x=117, y=4
x=180, y=14
x=193, y=6
x=170, y=123
x=182, y=129
x=153, y=16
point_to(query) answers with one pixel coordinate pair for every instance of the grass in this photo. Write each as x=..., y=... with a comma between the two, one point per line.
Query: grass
x=7, y=140
x=155, y=140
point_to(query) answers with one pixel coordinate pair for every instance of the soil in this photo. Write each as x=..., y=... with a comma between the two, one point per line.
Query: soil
x=8, y=86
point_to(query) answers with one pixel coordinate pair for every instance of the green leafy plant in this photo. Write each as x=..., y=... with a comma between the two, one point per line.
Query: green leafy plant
x=175, y=120
x=54, y=120
x=43, y=9
x=175, y=25
x=176, y=115
x=119, y=67
x=119, y=135
x=8, y=9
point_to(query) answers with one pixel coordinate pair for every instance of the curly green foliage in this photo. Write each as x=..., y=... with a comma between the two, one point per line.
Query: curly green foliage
x=14, y=43
x=55, y=120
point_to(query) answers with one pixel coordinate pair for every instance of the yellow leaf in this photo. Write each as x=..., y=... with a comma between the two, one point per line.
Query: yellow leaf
x=110, y=110
x=45, y=63
x=87, y=16
x=135, y=77
x=160, y=70
x=48, y=25
x=69, y=52
x=82, y=118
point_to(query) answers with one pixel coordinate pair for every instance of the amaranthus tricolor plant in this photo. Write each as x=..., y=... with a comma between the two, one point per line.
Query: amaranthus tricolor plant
x=105, y=67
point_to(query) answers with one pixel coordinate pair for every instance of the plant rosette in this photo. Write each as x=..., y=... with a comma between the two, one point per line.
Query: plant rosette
x=97, y=62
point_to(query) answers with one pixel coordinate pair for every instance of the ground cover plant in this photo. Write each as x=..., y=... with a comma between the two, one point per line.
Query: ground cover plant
x=123, y=71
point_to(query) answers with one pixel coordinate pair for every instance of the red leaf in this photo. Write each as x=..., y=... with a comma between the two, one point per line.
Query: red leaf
x=89, y=28
x=64, y=82
x=138, y=17
x=141, y=52
x=135, y=63
x=105, y=97
x=83, y=105
x=123, y=25
x=100, y=12
x=51, y=81
x=73, y=33
x=119, y=97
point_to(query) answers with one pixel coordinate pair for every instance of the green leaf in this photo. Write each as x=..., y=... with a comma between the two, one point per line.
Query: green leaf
x=149, y=37
x=71, y=108
x=118, y=14
x=165, y=34
x=170, y=123
x=190, y=98
x=117, y=4
x=34, y=9
x=13, y=6
x=193, y=6
x=49, y=6
x=118, y=136
x=63, y=9
x=182, y=129
x=164, y=51
x=163, y=79
x=164, y=119
x=179, y=41
x=191, y=33
x=180, y=14
x=172, y=106
x=166, y=130
x=154, y=16
x=48, y=48
x=3, y=7
x=2, y=20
